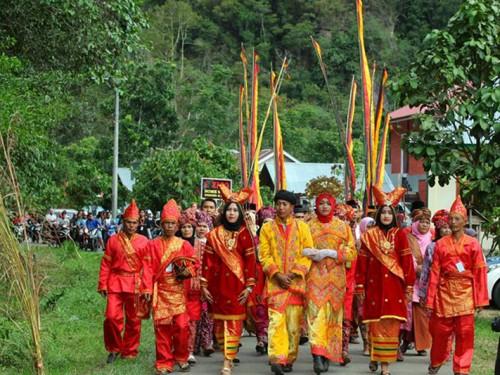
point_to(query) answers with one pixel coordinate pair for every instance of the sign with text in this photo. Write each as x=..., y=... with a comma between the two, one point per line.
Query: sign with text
x=210, y=187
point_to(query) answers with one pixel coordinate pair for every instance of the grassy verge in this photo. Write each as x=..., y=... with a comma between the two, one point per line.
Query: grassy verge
x=73, y=313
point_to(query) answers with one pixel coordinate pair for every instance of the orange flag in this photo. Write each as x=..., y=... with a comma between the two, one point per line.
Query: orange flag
x=252, y=130
x=378, y=118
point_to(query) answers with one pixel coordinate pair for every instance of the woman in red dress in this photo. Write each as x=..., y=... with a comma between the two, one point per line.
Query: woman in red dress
x=228, y=275
x=384, y=280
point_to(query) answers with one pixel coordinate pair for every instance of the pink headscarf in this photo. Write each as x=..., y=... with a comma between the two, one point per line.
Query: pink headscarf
x=423, y=239
x=363, y=225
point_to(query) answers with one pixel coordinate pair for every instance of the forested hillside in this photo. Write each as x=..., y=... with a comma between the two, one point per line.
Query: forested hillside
x=177, y=66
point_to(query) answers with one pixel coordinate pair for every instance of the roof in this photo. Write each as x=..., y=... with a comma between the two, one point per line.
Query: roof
x=268, y=153
x=299, y=174
x=404, y=113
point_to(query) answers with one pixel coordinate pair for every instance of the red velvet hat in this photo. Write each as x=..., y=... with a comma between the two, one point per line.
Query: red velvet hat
x=132, y=211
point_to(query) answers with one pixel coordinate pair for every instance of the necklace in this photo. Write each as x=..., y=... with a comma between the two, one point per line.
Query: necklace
x=230, y=239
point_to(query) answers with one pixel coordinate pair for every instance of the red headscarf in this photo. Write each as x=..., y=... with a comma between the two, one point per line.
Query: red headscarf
x=333, y=203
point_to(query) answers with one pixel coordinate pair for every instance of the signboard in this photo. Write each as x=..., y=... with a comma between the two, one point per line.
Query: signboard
x=210, y=187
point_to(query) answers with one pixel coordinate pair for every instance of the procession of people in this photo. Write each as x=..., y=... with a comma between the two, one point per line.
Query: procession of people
x=214, y=273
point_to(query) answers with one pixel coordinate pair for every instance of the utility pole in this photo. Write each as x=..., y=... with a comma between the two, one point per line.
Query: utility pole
x=114, y=200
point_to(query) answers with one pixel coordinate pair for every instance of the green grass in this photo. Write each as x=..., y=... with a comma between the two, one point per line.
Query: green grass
x=73, y=314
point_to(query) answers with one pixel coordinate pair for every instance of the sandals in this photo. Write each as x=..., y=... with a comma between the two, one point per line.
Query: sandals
x=225, y=371
x=433, y=370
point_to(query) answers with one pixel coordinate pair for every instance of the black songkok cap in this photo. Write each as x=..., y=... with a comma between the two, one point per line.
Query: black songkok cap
x=286, y=195
x=300, y=208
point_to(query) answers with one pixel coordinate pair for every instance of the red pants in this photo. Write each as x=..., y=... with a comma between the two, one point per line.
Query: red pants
x=113, y=325
x=172, y=342
x=441, y=329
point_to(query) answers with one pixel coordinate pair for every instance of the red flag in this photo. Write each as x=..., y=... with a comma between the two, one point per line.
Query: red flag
x=252, y=131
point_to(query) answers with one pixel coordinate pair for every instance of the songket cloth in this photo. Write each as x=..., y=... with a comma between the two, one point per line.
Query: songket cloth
x=228, y=268
x=384, y=339
x=171, y=319
x=457, y=286
x=120, y=277
x=227, y=334
x=281, y=245
x=326, y=288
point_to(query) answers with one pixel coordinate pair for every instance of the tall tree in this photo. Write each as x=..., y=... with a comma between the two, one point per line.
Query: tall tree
x=455, y=80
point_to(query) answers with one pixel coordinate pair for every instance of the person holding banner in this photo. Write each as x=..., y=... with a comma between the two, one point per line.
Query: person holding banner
x=172, y=261
x=119, y=282
x=228, y=274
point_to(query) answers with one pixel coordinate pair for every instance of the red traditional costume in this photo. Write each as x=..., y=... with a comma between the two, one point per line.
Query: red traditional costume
x=171, y=319
x=192, y=285
x=228, y=268
x=385, y=274
x=120, y=278
x=457, y=286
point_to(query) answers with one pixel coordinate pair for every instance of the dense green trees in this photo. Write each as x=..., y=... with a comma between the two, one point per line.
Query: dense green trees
x=176, y=64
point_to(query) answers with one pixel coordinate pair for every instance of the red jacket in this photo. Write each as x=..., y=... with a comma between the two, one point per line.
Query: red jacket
x=120, y=267
x=385, y=272
x=228, y=268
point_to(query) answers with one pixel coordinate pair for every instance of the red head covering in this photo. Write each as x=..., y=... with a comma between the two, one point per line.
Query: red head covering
x=441, y=218
x=170, y=211
x=388, y=199
x=344, y=212
x=333, y=204
x=188, y=216
x=458, y=208
x=236, y=197
x=132, y=211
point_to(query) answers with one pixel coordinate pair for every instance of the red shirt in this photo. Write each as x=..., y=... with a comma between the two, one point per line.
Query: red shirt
x=116, y=274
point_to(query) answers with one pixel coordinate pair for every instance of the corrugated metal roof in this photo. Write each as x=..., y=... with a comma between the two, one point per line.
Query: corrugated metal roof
x=299, y=174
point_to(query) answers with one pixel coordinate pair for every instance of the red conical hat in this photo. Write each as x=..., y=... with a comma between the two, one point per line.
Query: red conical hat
x=132, y=211
x=458, y=208
x=388, y=199
x=170, y=211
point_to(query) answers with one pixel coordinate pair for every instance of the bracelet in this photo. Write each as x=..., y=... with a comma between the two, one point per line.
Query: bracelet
x=250, y=289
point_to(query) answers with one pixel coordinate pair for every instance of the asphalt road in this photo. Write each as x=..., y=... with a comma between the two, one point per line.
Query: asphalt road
x=251, y=363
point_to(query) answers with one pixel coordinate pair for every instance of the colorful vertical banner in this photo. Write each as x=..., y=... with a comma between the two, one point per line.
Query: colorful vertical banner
x=243, y=151
x=367, y=100
x=279, y=154
x=382, y=153
x=252, y=130
x=351, y=167
x=378, y=121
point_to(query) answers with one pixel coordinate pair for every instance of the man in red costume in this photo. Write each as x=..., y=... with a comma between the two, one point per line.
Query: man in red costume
x=119, y=281
x=172, y=262
x=457, y=286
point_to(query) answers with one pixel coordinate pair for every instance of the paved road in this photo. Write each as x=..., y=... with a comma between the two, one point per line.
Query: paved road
x=253, y=364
